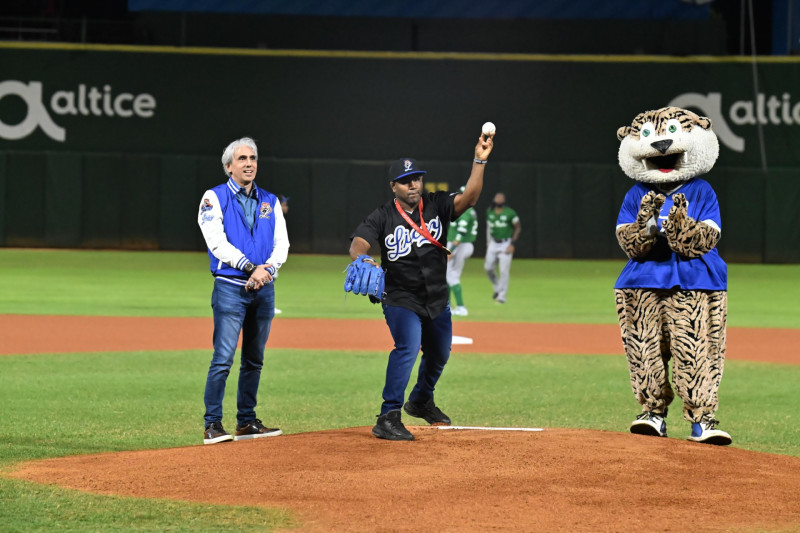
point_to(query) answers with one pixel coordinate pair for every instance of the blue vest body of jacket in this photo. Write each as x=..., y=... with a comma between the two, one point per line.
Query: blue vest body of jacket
x=257, y=244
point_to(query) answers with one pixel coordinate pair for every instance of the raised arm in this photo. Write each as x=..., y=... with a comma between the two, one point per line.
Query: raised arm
x=474, y=185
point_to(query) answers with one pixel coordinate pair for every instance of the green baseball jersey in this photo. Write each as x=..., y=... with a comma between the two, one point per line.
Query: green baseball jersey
x=501, y=226
x=465, y=228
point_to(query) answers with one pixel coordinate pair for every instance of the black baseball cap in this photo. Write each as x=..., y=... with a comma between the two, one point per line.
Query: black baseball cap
x=404, y=167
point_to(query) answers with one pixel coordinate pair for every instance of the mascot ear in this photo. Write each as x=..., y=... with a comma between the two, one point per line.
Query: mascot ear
x=623, y=132
x=704, y=122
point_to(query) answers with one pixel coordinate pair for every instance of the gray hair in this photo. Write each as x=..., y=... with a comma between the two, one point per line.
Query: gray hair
x=227, y=154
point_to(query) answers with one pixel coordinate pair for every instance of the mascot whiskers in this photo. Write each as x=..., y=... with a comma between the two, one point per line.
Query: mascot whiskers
x=671, y=296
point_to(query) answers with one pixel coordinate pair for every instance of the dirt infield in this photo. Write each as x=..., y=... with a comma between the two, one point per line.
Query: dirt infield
x=25, y=334
x=446, y=480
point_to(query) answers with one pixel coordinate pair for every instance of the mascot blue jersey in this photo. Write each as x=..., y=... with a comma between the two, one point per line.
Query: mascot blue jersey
x=662, y=268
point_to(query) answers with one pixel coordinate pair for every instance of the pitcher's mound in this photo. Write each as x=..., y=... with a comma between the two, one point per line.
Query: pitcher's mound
x=462, y=480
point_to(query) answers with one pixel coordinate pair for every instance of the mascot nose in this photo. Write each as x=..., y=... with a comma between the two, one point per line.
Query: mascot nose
x=662, y=146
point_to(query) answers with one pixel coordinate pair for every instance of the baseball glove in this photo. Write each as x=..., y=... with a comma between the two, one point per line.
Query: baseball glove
x=365, y=278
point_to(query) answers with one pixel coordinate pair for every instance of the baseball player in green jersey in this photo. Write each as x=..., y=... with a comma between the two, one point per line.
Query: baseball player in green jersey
x=502, y=231
x=460, y=239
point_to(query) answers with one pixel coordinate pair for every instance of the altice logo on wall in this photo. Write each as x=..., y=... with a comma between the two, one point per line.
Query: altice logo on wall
x=765, y=110
x=86, y=102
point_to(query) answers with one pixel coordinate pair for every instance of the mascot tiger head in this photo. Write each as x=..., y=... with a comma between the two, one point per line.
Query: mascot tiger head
x=667, y=145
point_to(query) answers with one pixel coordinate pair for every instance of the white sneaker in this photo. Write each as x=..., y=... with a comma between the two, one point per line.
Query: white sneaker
x=278, y=311
x=649, y=424
x=459, y=311
x=707, y=433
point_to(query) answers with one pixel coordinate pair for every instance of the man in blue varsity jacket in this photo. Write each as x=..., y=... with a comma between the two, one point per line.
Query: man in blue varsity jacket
x=245, y=232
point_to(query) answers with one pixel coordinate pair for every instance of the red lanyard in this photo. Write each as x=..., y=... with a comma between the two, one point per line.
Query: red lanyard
x=421, y=230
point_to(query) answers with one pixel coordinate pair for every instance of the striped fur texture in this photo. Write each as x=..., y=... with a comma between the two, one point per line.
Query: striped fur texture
x=685, y=235
x=685, y=326
x=667, y=145
x=637, y=238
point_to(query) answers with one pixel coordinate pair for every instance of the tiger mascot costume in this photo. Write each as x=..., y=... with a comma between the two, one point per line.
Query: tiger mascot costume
x=671, y=296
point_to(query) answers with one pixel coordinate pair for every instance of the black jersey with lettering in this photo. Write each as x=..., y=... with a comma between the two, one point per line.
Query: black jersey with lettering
x=415, y=267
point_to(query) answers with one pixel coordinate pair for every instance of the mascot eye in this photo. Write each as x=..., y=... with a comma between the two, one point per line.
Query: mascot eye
x=673, y=126
x=646, y=132
x=647, y=129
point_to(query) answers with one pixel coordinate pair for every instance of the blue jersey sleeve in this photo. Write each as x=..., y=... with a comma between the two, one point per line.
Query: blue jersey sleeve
x=631, y=204
x=703, y=204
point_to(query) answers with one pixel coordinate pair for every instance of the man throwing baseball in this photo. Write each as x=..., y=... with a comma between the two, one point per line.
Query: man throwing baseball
x=410, y=231
x=245, y=232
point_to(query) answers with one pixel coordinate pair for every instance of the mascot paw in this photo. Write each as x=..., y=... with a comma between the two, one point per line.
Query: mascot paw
x=649, y=210
x=676, y=219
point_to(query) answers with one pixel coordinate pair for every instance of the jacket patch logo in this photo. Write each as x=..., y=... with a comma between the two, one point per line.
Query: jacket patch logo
x=206, y=214
x=266, y=210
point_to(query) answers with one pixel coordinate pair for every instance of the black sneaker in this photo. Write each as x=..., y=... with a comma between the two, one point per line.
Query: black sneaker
x=427, y=411
x=390, y=427
x=216, y=433
x=255, y=430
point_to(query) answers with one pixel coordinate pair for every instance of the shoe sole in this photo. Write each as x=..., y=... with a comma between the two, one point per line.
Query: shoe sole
x=717, y=440
x=259, y=435
x=646, y=429
x=224, y=438
x=388, y=436
x=431, y=421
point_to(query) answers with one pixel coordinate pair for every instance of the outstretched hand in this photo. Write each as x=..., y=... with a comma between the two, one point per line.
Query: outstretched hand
x=484, y=146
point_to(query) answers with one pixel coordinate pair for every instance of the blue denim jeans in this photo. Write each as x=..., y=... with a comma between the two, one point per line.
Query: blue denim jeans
x=412, y=333
x=237, y=310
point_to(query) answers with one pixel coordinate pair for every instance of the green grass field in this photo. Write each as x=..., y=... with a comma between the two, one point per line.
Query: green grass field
x=63, y=404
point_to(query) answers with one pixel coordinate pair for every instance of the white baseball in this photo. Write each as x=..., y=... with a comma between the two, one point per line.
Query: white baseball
x=488, y=128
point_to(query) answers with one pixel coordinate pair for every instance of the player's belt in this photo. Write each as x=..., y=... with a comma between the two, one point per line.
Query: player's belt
x=501, y=240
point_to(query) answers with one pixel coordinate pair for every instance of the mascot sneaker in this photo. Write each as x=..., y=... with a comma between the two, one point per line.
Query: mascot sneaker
x=707, y=433
x=649, y=424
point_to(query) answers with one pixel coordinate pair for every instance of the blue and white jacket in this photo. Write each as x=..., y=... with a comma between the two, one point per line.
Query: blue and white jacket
x=231, y=243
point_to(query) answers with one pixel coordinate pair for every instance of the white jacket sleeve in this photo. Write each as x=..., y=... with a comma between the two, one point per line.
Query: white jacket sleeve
x=210, y=220
x=280, y=246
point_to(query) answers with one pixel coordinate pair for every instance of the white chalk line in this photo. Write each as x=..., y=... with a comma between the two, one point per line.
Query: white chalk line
x=482, y=428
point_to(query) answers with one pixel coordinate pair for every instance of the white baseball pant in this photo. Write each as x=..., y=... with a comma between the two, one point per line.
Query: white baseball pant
x=455, y=266
x=498, y=266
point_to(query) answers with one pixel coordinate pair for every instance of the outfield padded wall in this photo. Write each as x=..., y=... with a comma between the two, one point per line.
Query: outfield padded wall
x=150, y=201
x=135, y=134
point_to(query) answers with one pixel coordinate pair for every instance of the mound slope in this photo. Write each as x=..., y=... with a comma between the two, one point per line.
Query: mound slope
x=462, y=480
